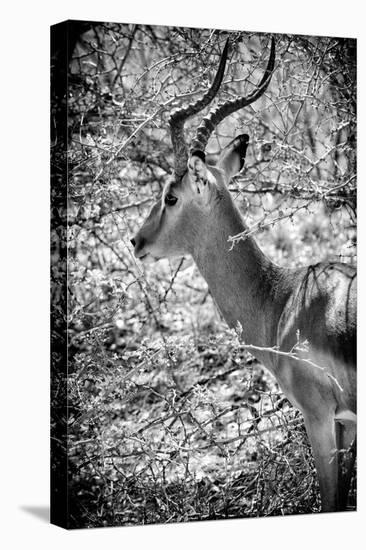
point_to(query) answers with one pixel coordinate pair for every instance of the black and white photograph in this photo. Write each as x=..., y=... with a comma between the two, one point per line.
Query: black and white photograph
x=181, y=317
x=203, y=248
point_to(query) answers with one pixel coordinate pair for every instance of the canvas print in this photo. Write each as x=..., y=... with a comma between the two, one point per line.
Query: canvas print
x=203, y=274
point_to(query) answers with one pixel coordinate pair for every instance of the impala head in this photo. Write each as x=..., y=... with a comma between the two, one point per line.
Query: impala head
x=190, y=200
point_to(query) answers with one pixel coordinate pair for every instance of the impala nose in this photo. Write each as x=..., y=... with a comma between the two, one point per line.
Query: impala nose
x=133, y=242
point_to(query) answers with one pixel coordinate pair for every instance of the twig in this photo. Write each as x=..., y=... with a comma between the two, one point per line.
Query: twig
x=291, y=355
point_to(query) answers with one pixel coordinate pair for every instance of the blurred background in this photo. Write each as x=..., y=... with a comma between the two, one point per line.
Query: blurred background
x=170, y=419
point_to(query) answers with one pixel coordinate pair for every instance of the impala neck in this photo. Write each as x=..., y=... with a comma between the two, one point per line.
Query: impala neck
x=245, y=284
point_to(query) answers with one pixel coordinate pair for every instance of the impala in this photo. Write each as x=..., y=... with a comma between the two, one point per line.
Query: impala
x=196, y=215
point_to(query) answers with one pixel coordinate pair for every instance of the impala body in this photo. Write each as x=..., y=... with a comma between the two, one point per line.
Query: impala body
x=275, y=306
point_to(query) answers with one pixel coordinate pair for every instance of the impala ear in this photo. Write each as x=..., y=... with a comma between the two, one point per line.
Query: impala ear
x=232, y=157
x=200, y=176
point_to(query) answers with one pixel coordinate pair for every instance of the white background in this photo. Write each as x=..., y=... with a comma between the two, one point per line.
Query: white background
x=24, y=268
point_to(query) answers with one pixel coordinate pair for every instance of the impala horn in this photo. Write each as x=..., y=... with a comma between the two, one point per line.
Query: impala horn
x=179, y=116
x=217, y=115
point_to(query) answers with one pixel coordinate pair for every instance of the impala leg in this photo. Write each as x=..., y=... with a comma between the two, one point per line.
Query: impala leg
x=322, y=438
x=346, y=446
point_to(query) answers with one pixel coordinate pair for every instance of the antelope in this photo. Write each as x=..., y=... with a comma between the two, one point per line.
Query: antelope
x=196, y=215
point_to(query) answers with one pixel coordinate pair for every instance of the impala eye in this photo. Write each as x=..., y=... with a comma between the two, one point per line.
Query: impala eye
x=170, y=200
